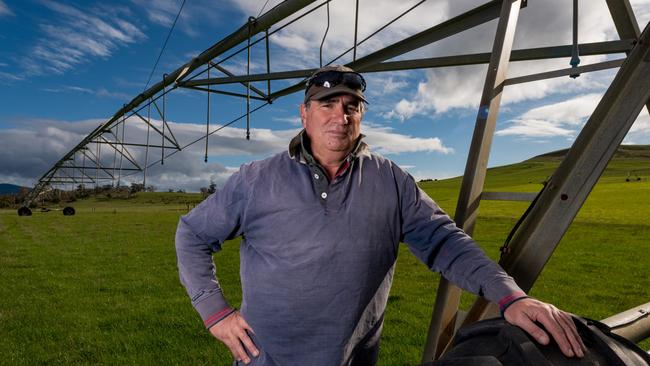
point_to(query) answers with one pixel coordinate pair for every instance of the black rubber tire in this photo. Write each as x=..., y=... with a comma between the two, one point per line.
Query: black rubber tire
x=24, y=211
x=68, y=211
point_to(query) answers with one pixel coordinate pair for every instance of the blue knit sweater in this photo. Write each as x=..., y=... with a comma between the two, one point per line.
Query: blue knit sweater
x=317, y=257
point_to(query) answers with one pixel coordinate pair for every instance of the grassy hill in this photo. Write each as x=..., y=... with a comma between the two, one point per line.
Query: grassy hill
x=102, y=286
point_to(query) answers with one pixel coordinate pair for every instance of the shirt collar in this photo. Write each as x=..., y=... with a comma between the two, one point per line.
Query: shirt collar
x=299, y=148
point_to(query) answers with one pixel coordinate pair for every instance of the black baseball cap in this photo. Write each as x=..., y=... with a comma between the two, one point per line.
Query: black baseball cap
x=332, y=80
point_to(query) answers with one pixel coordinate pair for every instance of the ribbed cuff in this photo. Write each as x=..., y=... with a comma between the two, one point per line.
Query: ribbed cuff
x=501, y=288
x=213, y=308
x=510, y=299
x=216, y=318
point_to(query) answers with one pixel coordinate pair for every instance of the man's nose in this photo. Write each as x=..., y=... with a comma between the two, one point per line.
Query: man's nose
x=339, y=113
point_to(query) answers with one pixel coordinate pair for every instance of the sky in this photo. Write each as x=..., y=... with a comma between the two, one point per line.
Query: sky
x=66, y=67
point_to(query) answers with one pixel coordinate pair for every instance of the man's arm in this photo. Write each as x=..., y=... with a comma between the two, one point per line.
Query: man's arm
x=434, y=238
x=200, y=233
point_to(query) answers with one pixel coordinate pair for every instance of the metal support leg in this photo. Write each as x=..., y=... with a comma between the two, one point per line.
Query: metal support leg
x=163, y=115
x=119, y=176
x=117, y=131
x=356, y=27
x=207, y=121
x=575, y=58
x=625, y=23
x=74, y=162
x=99, y=151
x=448, y=297
x=248, y=84
x=146, y=151
x=268, y=66
x=83, y=169
x=567, y=190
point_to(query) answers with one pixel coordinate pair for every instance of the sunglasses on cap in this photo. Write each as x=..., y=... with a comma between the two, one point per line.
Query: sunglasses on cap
x=330, y=79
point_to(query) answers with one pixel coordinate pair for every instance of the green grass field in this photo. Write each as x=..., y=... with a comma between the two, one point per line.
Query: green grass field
x=101, y=287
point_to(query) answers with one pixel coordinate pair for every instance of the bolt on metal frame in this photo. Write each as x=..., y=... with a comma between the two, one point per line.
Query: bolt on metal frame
x=623, y=101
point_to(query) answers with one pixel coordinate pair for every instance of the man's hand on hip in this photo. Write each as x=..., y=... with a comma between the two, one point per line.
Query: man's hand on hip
x=524, y=313
x=232, y=331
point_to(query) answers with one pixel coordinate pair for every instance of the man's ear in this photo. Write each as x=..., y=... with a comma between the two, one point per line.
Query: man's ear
x=303, y=114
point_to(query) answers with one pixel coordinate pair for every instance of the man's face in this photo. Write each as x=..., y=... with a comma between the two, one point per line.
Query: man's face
x=332, y=124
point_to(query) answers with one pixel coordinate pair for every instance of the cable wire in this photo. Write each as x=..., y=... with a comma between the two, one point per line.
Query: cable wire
x=261, y=10
x=325, y=35
x=164, y=44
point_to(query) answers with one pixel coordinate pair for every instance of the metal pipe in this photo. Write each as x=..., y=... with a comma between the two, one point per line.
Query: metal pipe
x=633, y=324
x=356, y=28
x=148, y=122
x=74, y=162
x=225, y=71
x=268, y=64
x=119, y=176
x=325, y=35
x=248, y=84
x=146, y=151
x=162, y=151
x=83, y=170
x=223, y=92
x=563, y=72
x=134, y=144
x=575, y=60
x=597, y=48
x=207, y=121
x=625, y=23
x=98, y=148
x=126, y=155
x=117, y=131
x=102, y=168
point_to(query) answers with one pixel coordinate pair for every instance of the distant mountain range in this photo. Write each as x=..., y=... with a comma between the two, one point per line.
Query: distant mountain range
x=9, y=188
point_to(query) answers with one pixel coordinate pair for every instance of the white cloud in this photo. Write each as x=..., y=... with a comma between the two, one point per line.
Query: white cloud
x=35, y=145
x=391, y=85
x=571, y=112
x=557, y=119
x=194, y=13
x=161, y=12
x=76, y=36
x=639, y=133
x=10, y=77
x=100, y=92
x=535, y=128
x=641, y=9
x=403, y=110
x=295, y=42
x=420, y=174
x=103, y=92
x=642, y=123
x=385, y=141
x=295, y=121
x=4, y=9
x=565, y=119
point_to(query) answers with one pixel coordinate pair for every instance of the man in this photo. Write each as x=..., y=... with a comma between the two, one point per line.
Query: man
x=321, y=227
